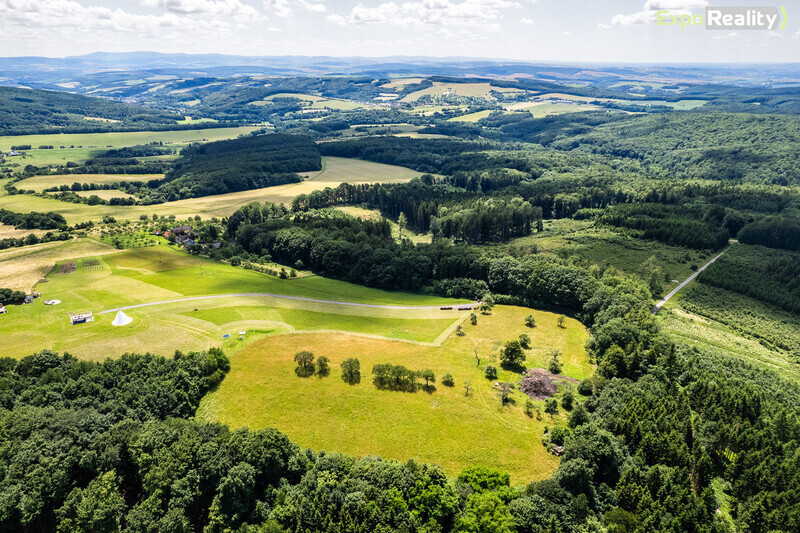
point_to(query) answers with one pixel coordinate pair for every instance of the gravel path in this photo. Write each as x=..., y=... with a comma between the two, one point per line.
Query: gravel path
x=682, y=285
x=283, y=296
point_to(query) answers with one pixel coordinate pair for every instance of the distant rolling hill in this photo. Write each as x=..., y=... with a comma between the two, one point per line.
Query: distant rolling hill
x=27, y=111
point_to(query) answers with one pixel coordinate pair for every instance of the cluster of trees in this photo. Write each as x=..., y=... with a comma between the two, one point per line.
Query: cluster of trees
x=33, y=220
x=237, y=165
x=387, y=376
x=443, y=156
x=11, y=296
x=32, y=239
x=774, y=231
x=675, y=225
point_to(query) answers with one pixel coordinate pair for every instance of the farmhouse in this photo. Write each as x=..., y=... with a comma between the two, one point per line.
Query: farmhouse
x=81, y=318
x=184, y=234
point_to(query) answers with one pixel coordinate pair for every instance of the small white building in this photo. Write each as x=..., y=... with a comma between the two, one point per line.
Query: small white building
x=3, y=309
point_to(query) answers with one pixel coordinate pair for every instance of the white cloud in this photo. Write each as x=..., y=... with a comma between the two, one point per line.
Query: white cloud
x=526, y=20
x=566, y=34
x=337, y=19
x=203, y=7
x=32, y=14
x=725, y=36
x=649, y=12
x=483, y=14
x=603, y=26
x=314, y=7
x=279, y=7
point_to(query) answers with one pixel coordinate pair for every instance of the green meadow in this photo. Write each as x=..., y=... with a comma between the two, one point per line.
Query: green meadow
x=161, y=274
x=78, y=147
x=443, y=426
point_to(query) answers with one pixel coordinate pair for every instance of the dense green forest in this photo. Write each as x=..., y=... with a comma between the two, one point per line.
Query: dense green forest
x=26, y=111
x=238, y=165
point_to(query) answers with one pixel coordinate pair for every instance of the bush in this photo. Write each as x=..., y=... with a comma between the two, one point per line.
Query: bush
x=447, y=380
x=555, y=365
x=567, y=400
x=551, y=407
x=586, y=387
x=491, y=372
x=530, y=321
x=525, y=341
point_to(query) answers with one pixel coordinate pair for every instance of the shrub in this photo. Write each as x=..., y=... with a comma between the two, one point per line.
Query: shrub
x=530, y=321
x=525, y=341
x=447, y=380
x=491, y=372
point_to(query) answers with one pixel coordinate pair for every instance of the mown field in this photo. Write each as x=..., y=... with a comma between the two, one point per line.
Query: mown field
x=85, y=281
x=22, y=268
x=443, y=426
x=78, y=147
x=335, y=170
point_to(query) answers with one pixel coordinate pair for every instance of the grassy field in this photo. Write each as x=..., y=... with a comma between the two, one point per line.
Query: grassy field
x=606, y=247
x=78, y=147
x=336, y=170
x=40, y=183
x=22, y=268
x=476, y=90
x=471, y=117
x=159, y=274
x=443, y=426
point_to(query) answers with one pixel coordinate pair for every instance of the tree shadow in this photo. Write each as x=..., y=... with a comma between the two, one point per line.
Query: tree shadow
x=430, y=389
x=512, y=367
x=304, y=372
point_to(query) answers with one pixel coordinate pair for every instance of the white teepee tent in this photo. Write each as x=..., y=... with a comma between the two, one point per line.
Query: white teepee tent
x=121, y=319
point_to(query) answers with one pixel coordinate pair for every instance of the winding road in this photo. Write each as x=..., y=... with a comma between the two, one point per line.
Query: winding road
x=283, y=296
x=682, y=285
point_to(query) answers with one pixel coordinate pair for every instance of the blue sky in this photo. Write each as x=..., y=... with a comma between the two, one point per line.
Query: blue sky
x=608, y=31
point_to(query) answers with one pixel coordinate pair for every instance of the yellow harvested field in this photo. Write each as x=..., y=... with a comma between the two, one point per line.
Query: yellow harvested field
x=22, y=268
x=10, y=232
x=40, y=183
x=105, y=194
